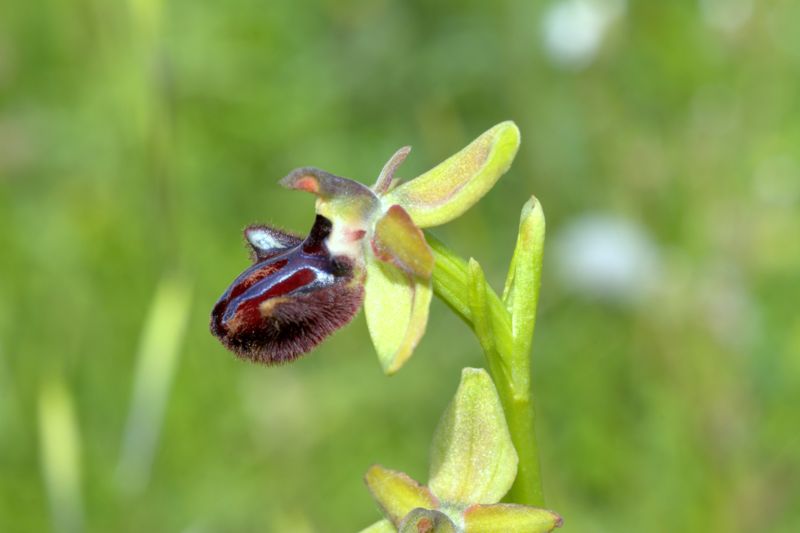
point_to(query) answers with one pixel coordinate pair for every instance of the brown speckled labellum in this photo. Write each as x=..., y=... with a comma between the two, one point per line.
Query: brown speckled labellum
x=294, y=296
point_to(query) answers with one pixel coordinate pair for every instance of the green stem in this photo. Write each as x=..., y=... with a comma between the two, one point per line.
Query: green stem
x=462, y=287
x=520, y=417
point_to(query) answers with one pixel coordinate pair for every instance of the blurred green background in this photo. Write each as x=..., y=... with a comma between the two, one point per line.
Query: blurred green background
x=137, y=139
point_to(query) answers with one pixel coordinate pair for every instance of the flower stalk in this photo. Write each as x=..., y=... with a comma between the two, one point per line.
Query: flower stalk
x=504, y=327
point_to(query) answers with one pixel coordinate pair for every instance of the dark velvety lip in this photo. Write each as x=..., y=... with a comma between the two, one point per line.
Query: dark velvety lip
x=294, y=296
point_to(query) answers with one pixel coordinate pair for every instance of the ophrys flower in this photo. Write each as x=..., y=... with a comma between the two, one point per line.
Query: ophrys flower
x=367, y=246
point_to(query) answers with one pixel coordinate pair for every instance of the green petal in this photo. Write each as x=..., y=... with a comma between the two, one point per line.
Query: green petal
x=386, y=178
x=381, y=526
x=446, y=191
x=323, y=184
x=396, y=306
x=509, y=518
x=472, y=457
x=396, y=493
x=426, y=521
x=398, y=241
x=340, y=200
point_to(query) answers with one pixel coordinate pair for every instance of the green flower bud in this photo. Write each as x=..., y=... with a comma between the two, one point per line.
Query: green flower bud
x=472, y=457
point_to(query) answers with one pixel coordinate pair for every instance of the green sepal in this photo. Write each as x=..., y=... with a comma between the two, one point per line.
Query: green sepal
x=396, y=493
x=509, y=518
x=472, y=457
x=447, y=190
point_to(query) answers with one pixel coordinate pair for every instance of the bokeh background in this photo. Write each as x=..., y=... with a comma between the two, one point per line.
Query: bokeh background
x=138, y=138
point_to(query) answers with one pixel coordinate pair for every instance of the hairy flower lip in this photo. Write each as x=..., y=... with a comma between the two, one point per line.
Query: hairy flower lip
x=290, y=299
x=302, y=254
x=247, y=286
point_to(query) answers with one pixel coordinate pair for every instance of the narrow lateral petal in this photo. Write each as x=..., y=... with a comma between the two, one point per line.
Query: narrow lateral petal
x=387, y=177
x=396, y=306
x=323, y=184
x=347, y=203
x=473, y=459
x=509, y=518
x=447, y=190
x=397, y=493
x=398, y=241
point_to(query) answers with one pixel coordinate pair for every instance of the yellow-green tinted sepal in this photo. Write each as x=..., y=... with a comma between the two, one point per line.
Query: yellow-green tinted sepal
x=509, y=518
x=396, y=306
x=397, y=493
x=447, y=190
x=472, y=457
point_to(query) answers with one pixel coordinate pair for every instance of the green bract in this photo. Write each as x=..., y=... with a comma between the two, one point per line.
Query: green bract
x=473, y=464
x=378, y=228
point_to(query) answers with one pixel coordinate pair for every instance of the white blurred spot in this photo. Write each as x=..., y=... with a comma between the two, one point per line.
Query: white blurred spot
x=573, y=30
x=726, y=15
x=608, y=257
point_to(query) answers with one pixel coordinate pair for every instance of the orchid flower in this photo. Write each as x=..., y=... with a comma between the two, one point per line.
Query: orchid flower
x=366, y=246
